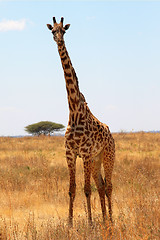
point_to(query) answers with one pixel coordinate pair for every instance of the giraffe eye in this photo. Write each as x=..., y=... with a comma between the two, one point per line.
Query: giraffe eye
x=53, y=31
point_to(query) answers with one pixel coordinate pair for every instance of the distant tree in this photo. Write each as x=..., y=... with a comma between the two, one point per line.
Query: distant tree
x=43, y=128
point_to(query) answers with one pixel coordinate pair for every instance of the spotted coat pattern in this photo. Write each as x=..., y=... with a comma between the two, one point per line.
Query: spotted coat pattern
x=85, y=137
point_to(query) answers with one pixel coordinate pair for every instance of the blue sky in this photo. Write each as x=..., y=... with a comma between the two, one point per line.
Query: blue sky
x=114, y=47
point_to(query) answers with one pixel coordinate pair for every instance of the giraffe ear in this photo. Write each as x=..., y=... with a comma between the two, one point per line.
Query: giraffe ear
x=49, y=26
x=66, y=26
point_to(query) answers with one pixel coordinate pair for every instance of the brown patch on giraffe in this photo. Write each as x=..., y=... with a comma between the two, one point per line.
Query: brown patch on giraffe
x=67, y=66
x=88, y=144
x=69, y=158
x=87, y=133
x=90, y=148
x=89, y=121
x=81, y=122
x=64, y=58
x=100, y=130
x=62, y=54
x=77, y=141
x=100, y=135
x=72, y=117
x=81, y=129
x=76, y=100
x=92, y=134
x=94, y=123
x=69, y=81
x=90, y=128
x=95, y=136
x=68, y=153
x=70, y=137
x=72, y=144
x=79, y=134
x=80, y=108
x=67, y=75
x=87, y=127
x=72, y=90
x=84, y=150
x=83, y=140
x=63, y=48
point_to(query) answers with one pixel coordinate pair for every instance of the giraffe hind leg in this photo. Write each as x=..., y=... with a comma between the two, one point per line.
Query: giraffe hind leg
x=87, y=186
x=108, y=192
x=108, y=162
x=96, y=174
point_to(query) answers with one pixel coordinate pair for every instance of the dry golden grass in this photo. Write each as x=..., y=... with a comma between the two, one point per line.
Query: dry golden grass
x=34, y=190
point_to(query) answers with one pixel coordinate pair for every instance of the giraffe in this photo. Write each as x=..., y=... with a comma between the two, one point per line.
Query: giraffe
x=85, y=136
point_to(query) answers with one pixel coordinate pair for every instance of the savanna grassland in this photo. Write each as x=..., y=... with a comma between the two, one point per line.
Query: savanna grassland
x=34, y=190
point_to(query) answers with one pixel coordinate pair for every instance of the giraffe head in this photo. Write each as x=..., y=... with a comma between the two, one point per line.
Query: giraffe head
x=58, y=30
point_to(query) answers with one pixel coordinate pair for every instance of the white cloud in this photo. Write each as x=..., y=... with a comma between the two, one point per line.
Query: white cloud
x=12, y=25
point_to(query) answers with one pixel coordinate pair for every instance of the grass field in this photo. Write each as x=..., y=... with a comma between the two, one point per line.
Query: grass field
x=34, y=190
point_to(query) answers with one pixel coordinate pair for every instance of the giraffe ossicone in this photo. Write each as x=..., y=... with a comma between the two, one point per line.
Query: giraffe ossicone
x=85, y=136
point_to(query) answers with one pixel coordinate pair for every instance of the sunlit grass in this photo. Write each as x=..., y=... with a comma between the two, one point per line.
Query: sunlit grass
x=34, y=190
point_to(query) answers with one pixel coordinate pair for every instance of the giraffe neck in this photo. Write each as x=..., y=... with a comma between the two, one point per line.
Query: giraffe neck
x=71, y=79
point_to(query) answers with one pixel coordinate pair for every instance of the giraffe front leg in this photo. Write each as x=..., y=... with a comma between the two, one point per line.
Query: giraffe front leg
x=71, y=161
x=87, y=187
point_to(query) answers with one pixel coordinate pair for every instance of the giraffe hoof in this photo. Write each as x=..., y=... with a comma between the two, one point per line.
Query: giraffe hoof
x=70, y=223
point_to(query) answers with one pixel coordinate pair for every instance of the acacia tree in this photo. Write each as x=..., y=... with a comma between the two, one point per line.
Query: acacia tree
x=43, y=128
